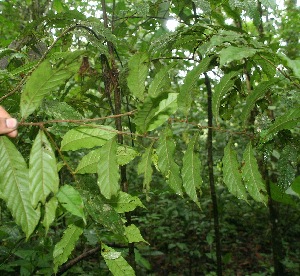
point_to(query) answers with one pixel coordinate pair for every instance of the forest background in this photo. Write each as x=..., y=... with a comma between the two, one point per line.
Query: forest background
x=155, y=138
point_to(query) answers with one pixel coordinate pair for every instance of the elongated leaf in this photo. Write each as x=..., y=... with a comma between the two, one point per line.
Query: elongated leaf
x=66, y=245
x=155, y=112
x=252, y=177
x=124, y=202
x=293, y=64
x=225, y=85
x=50, y=211
x=161, y=82
x=43, y=81
x=185, y=97
x=191, y=171
x=269, y=4
x=232, y=176
x=232, y=53
x=287, y=121
x=115, y=262
x=86, y=137
x=258, y=93
x=133, y=234
x=165, y=109
x=103, y=213
x=71, y=200
x=138, y=71
x=108, y=170
x=145, y=167
x=14, y=187
x=43, y=174
x=89, y=163
x=166, y=163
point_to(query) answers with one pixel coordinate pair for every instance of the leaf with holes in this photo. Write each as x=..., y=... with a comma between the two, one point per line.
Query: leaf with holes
x=115, y=262
x=191, y=171
x=43, y=174
x=14, y=187
x=231, y=174
x=103, y=213
x=252, y=177
x=108, y=170
x=63, y=249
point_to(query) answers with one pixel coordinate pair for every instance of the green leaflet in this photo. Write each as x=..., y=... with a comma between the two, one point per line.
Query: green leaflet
x=133, y=234
x=166, y=163
x=71, y=200
x=191, y=171
x=154, y=112
x=45, y=79
x=258, y=93
x=87, y=137
x=103, y=213
x=115, y=262
x=14, y=187
x=108, y=170
x=43, y=174
x=225, y=85
x=50, y=212
x=231, y=173
x=138, y=71
x=252, y=177
x=145, y=167
x=185, y=97
x=124, y=202
x=161, y=82
x=63, y=249
x=232, y=53
x=88, y=164
x=287, y=121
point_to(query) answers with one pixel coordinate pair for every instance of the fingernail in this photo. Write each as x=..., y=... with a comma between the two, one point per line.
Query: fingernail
x=11, y=123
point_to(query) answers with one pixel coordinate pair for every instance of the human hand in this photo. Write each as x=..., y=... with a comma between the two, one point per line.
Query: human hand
x=8, y=125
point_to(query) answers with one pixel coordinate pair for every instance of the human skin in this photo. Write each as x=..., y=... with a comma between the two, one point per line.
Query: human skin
x=8, y=125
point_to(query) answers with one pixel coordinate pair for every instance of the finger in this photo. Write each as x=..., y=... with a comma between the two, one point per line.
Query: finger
x=8, y=126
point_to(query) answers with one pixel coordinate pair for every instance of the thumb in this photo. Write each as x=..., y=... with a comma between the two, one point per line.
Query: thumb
x=8, y=126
